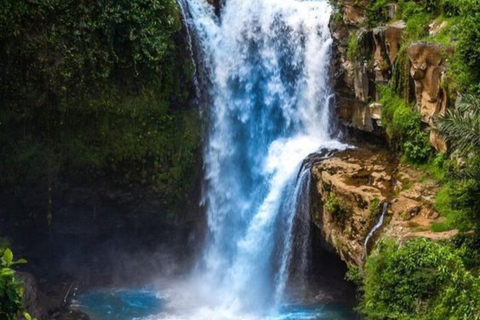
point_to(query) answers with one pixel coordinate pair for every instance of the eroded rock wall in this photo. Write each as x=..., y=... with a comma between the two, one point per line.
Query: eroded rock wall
x=350, y=189
x=362, y=65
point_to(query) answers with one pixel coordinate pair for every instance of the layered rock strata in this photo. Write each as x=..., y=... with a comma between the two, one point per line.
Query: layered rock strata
x=350, y=189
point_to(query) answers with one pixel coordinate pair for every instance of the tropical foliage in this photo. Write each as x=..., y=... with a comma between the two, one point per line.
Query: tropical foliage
x=419, y=280
x=11, y=289
x=459, y=200
x=96, y=91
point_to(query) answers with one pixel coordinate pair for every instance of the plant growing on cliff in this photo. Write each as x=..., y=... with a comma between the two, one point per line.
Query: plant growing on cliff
x=339, y=211
x=403, y=126
x=373, y=208
x=11, y=289
x=377, y=12
x=419, y=280
x=352, y=46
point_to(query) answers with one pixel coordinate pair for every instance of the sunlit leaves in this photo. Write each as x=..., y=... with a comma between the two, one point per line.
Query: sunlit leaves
x=11, y=289
x=419, y=280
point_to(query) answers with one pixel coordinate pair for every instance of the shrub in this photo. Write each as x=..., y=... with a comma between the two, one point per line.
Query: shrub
x=459, y=202
x=465, y=67
x=419, y=279
x=461, y=126
x=352, y=46
x=403, y=126
x=340, y=212
x=377, y=12
x=11, y=289
x=373, y=208
x=354, y=275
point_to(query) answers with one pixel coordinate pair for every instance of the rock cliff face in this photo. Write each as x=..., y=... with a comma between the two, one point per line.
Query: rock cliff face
x=366, y=58
x=427, y=69
x=352, y=186
x=350, y=190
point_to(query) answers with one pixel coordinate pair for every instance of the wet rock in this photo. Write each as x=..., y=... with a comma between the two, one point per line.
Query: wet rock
x=37, y=304
x=217, y=4
x=387, y=44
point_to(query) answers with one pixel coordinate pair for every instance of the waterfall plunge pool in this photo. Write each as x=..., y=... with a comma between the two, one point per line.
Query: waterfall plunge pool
x=144, y=304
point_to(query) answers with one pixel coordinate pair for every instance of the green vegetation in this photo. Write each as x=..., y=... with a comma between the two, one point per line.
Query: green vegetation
x=419, y=279
x=461, y=126
x=377, y=12
x=11, y=289
x=440, y=227
x=462, y=31
x=403, y=127
x=459, y=200
x=340, y=212
x=96, y=90
x=373, y=208
x=352, y=46
x=354, y=275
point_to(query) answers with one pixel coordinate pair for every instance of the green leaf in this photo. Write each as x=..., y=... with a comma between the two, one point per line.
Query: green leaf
x=20, y=261
x=8, y=257
x=6, y=272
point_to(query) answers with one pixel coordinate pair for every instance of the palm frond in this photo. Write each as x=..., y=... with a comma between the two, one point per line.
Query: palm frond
x=461, y=126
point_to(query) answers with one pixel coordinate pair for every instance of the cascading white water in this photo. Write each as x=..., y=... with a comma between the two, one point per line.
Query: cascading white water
x=377, y=226
x=267, y=63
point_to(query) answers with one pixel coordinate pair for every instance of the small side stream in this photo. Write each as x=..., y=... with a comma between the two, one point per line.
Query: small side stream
x=375, y=228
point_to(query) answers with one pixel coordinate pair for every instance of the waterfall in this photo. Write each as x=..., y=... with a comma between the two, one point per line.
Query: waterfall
x=267, y=62
x=377, y=226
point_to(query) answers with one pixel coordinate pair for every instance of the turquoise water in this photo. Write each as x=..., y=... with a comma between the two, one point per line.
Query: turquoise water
x=145, y=304
x=120, y=305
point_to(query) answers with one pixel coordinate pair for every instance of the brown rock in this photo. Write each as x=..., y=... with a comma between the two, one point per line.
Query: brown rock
x=387, y=44
x=427, y=69
x=375, y=111
x=354, y=11
x=393, y=39
x=357, y=177
x=355, y=114
x=382, y=63
x=437, y=141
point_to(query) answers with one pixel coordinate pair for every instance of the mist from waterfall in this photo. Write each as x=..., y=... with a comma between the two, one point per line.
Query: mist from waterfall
x=267, y=65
